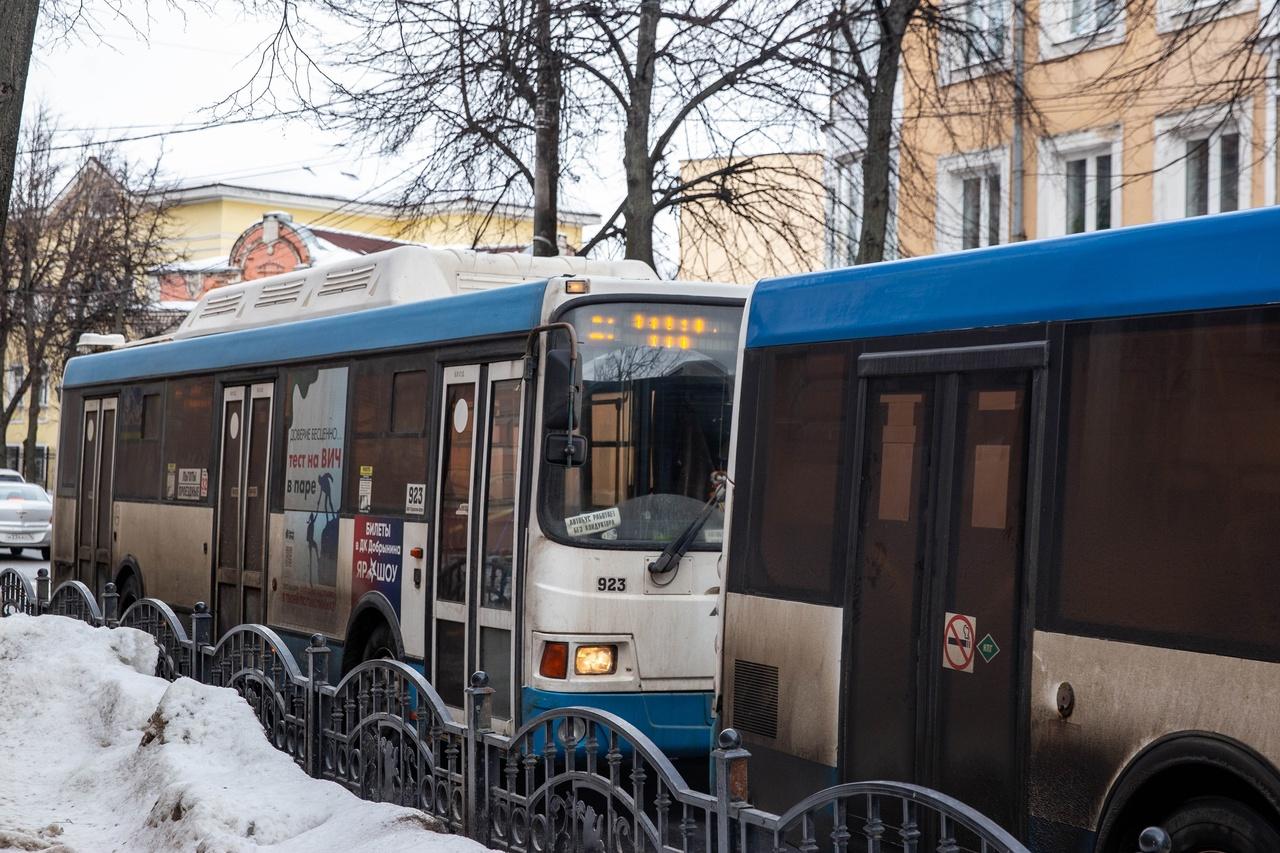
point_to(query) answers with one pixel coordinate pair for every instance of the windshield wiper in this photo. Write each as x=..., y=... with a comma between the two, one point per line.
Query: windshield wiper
x=669, y=560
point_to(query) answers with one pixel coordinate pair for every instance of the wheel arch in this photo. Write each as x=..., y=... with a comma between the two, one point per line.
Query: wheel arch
x=1177, y=767
x=371, y=610
x=129, y=566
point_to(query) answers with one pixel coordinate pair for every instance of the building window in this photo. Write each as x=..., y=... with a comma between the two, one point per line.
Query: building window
x=1176, y=14
x=1088, y=196
x=971, y=203
x=1078, y=188
x=13, y=377
x=984, y=35
x=846, y=214
x=1091, y=16
x=1203, y=163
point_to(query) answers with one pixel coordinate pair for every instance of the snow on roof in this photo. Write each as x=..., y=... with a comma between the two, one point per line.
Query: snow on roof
x=143, y=764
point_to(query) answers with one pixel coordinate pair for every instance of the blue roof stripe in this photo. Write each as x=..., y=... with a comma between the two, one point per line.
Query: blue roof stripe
x=1207, y=262
x=504, y=310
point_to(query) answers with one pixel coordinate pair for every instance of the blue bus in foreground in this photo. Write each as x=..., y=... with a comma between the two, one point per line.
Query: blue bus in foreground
x=1007, y=523
x=389, y=451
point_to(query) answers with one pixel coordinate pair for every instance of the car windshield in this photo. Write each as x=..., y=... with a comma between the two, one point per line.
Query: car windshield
x=22, y=492
x=657, y=405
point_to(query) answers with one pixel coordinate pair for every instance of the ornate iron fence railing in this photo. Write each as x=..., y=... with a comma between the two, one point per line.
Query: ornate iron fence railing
x=574, y=780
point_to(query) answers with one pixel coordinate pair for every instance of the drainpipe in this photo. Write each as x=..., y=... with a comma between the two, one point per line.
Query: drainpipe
x=1017, y=169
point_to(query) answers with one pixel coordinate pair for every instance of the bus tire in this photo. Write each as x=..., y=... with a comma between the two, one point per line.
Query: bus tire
x=129, y=589
x=381, y=645
x=1221, y=825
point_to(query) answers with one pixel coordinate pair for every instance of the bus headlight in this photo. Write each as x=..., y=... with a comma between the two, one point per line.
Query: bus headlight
x=595, y=660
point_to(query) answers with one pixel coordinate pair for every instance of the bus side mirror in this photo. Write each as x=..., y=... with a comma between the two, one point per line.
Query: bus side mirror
x=566, y=449
x=562, y=383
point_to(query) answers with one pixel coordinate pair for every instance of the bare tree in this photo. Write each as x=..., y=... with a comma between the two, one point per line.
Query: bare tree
x=17, y=35
x=454, y=86
x=77, y=256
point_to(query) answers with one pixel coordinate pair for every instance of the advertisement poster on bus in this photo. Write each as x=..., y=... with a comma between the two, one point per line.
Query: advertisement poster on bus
x=315, y=422
x=377, y=558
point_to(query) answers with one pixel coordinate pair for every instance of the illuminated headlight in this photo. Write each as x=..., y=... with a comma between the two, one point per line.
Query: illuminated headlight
x=595, y=660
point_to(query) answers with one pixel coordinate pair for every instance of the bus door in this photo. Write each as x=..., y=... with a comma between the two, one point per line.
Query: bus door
x=476, y=574
x=241, y=556
x=95, y=527
x=936, y=610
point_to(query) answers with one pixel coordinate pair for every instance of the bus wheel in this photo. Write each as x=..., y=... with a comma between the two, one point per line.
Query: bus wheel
x=381, y=644
x=1219, y=825
x=129, y=592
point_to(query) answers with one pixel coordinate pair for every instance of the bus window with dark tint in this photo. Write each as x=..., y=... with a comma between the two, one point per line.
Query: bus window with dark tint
x=69, y=442
x=139, y=467
x=1171, y=482
x=390, y=422
x=796, y=514
x=189, y=425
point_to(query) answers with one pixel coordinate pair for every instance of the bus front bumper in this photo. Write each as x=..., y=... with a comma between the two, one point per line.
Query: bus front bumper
x=680, y=724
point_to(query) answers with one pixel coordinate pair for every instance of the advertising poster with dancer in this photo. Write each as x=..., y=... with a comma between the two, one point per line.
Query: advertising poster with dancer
x=315, y=422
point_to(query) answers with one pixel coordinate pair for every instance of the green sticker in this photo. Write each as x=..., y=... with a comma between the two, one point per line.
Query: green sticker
x=987, y=648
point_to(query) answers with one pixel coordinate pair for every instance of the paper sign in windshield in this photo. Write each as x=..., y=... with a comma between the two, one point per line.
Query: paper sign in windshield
x=593, y=522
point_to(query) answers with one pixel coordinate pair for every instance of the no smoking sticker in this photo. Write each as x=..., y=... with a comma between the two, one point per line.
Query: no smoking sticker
x=958, y=642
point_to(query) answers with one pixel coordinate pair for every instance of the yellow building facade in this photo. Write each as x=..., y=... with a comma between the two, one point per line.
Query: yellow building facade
x=209, y=218
x=1134, y=113
x=776, y=225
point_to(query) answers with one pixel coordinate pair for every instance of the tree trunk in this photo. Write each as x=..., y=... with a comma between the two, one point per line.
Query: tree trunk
x=17, y=34
x=546, y=154
x=637, y=163
x=33, y=425
x=877, y=161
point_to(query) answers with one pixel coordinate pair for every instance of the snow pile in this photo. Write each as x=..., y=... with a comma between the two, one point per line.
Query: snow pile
x=97, y=754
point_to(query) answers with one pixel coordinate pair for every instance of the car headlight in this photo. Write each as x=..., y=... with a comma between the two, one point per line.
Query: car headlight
x=595, y=660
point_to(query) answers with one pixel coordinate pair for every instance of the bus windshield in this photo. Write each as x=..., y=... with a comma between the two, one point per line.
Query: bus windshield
x=657, y=402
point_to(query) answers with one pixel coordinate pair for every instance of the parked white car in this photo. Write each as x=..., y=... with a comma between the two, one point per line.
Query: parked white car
x=26, y=514
x=8, y=475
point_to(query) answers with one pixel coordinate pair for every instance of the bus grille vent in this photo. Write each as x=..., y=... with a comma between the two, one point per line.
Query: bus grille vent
x=345, y=281
x=222, y=304
x=755, y=698
x=280, y=294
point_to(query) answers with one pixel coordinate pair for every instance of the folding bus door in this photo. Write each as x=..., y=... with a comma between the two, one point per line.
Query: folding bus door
x=476, y=573
x=937, y=617
x=95, y=525
x=242, y=505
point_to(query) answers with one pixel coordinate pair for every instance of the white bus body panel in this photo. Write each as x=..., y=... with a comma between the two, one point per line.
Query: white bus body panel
x=171, y=544
x=1125, y=700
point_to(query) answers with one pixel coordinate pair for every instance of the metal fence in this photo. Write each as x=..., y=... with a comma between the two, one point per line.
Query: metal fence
x=574, y=780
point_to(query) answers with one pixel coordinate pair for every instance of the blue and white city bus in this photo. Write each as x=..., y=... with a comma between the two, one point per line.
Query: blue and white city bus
x=372, y=450
x=1006, y=523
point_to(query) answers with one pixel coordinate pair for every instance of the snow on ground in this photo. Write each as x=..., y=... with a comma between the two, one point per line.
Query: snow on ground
x=96, y=754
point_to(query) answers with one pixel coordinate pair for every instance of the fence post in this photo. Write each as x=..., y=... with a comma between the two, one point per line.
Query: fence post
x=110, y=605
x=201, y=626
x=317, y=680
x=731, y=783
x=42, y=591
x=479, y=717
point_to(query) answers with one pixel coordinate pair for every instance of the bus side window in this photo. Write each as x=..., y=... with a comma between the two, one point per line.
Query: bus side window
x=188, y=428
x=389, y=427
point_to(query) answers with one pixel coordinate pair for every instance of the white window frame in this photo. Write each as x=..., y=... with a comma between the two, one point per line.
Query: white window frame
x=956, y=65
x=1058, y=38
x=1051, y=183
x=1173, y=132
x=846, y=148
x=951, y=173
x=1173, y=15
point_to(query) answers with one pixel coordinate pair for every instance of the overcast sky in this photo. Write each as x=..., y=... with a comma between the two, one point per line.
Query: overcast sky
x=109, y=82
x=119, y=84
